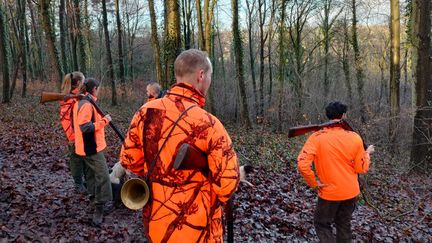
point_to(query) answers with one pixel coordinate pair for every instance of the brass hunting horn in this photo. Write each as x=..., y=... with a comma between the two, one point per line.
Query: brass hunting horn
x=135, y=193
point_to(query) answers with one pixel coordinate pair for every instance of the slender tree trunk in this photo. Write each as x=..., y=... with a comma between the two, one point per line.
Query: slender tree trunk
x=73, y=35
x=421, y=153
x=282, y=62
x=394, y=71
x=80, y=35
x=172, y=41
x=120, y=50
x=358, y=64
x=201, y=39
x=269, y=48
x=23, y=49
x=50, y=38
x=155, y=43
x=345, y=61
x=238, y=49
x=263, y=37
x=4, y=54
x=63, y=55
x=250, y=10
x=37, y=37
x=108, y=54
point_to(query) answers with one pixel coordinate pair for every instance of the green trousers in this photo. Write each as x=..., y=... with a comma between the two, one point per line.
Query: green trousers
x=76, y=166
x=97, y=178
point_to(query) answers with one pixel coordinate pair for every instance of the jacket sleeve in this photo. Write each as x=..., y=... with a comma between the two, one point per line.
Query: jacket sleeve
x=305, y=159
x=85, y=123
x=362, y=159
x=223, y=164
x=66, y=118
x=132, y=153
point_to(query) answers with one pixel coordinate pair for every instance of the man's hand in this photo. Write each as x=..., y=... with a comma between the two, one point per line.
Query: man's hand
x=320, y=185
x=108, y=117
x=370, y=149
x=117, y=172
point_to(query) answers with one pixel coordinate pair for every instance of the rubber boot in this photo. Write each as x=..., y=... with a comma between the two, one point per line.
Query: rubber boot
x=98, y=215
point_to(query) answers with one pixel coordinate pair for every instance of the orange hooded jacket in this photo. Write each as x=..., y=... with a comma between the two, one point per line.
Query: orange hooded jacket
x=338, y=156
x=66, y=116
x=89, y=128
x=185, y=206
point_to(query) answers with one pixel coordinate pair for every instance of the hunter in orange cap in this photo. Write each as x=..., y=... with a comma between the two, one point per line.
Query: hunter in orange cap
x=70, y=85
x=338, y=156
x=185, y=205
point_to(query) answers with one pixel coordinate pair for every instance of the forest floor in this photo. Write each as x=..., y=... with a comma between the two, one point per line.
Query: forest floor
x=38, y=201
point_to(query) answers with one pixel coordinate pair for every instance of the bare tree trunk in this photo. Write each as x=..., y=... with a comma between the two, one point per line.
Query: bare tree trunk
x=282, y=62
x=201, y=39
x=23, y=49
x=238, y=49
x=37, y=37
x=73, y=34
x=269, y=48
x=394, y=71
x=155, y=43
x=4, y=54
x=421, y=153
x=263, y=38
x=345, y=61
x=358, y=64
x=172, y=41
x=250, y=10
x=120, y=50
x=80, y=35
x=50, y=38
x=63, y=55
x=108, y=54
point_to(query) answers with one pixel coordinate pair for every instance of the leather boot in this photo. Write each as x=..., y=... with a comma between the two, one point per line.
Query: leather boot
x=98, y=215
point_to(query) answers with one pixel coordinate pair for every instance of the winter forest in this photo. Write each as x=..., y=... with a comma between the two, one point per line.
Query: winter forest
x=276, y=65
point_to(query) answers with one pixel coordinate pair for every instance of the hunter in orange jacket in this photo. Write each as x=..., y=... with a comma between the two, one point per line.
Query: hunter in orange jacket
x=185, y=206
x=338, y=156
x=70, y=85
x=89, y=144
x=90, y=132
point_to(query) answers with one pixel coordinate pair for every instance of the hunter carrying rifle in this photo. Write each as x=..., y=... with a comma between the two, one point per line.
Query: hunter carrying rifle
x=185, y=205
x=338, y=154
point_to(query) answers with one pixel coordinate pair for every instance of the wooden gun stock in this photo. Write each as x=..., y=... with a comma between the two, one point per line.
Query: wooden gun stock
x=190, y=158
x=53, y=96
x=300, y=130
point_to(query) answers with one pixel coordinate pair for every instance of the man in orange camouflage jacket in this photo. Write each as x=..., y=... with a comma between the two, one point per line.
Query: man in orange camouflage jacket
x=338, y=156
x=185, y=206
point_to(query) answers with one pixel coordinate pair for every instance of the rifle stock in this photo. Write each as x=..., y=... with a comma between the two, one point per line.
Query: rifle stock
x=53, y=96
x=190, y=158
x=300, y=130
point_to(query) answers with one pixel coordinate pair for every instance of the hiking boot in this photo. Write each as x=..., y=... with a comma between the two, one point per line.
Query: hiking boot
x=98, y=215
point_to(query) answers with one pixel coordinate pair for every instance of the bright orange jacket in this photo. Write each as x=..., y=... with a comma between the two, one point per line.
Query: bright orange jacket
x=185, y=206
x=89, y=128
x=338, y=156
x=66, y=116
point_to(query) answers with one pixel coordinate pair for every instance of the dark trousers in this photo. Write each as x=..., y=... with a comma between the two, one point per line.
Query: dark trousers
x=338, y=212
x=97, y=178
x=76, y=166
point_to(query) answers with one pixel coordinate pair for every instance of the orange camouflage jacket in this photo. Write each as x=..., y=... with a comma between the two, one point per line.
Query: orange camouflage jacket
x=66, y=114
x=185, y=206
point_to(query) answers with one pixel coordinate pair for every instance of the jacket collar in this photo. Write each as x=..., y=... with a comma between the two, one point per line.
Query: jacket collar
x=187, y=91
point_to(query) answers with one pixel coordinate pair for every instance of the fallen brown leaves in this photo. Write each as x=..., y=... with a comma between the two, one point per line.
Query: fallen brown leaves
x=38, y=201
